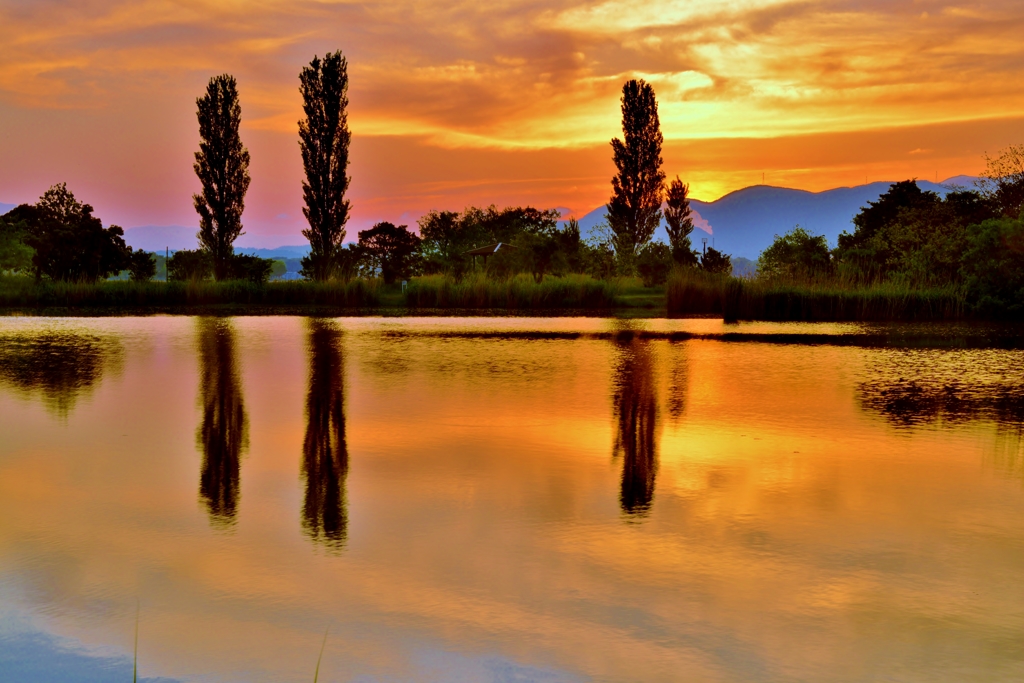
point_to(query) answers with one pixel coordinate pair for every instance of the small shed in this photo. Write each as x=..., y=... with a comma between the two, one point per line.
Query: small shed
x=488, y=250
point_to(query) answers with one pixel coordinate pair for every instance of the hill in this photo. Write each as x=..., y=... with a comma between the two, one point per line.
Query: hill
x=745, y=222
x=160, y=237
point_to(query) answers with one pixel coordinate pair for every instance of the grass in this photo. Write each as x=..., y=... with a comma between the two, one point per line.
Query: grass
x=518, y=293
x=25, y=293
x=688, y=293
x=691, y=292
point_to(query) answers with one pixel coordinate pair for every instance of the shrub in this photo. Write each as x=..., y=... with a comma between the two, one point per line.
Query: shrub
x=654, y=263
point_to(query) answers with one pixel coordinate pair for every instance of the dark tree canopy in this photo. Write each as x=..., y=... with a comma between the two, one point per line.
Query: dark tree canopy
x=679, y=222
x=191, y=265
x=324, y=140
x=391, y=249
x=447, y=235
x=634, y=209
x=914, y=236
x=222, y=164
x=69, y=243
x=714, y=261
x=653, y=263
x=796, y=255
x=141, y=266
x=15, y=254
x=1003, y=181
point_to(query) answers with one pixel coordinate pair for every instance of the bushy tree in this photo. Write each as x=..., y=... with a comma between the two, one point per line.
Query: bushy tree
x=572, y=247
x=796, y=255
x=69, y=243
x=141, y=266
x=714, y=261
x=1003, y=180
x=324, y=139
x=654, y=263
x=447, y=236
x=679, y=222
x=911, y=236
x=15, y=254
x=190, y=265
x=634, y=209
x=222, y=164
x=351, y=261
x=251, y=268
x=392, y=250
x=993, y=266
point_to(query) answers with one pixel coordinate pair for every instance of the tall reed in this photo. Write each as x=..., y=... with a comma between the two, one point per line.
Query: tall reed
x=519, y=292
x=692, y=292
x=19, y=292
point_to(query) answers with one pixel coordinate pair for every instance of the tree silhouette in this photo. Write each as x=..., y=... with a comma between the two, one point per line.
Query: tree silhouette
x=679, y=222
x=714, y=261
x=634, y=209
x=69, y=243
x=189, y=264
x=1003, y=180
x=635, y=406
x=142, y=266
x=222, y=164
x=324, y=451
x=324, y=139
x=223, y=434
x=391, y=249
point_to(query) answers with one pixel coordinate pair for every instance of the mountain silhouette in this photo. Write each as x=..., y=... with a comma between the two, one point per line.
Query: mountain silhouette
x=160, y=237
x=745, y=222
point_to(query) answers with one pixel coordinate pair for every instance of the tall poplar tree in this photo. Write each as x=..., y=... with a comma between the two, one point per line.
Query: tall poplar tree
x=679, y=222
x=324, y=139
x=222, y=164
x=634, y=209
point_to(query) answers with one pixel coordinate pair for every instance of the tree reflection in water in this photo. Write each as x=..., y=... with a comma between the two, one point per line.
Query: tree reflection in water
x=60, y=366
x=325, y=454
x=913, y=387
x=635, y=407
x=223, y=434
x=679, y=381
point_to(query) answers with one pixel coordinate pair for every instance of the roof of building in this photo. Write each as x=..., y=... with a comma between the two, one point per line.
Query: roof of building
x=489, y=249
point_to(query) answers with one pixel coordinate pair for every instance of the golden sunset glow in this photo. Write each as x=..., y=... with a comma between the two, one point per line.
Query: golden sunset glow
x=505, y=102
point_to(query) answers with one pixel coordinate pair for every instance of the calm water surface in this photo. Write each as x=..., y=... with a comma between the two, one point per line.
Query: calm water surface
x=505, y=499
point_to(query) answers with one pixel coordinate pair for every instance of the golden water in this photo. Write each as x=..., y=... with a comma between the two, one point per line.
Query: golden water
x=464, y=500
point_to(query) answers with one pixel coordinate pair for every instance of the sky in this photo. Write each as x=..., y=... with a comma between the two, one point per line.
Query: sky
x=504, y=102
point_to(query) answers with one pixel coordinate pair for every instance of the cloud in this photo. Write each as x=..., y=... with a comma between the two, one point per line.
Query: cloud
x=115, y=82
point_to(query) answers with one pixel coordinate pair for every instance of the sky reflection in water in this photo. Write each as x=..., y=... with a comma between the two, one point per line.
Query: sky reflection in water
x=550, y=500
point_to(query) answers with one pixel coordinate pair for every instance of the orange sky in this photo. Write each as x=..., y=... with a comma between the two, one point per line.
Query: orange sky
x=503, y=102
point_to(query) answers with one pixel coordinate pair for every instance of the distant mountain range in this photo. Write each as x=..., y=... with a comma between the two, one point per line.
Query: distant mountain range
x=742, y=223
x=175, y=237
x=745, y=222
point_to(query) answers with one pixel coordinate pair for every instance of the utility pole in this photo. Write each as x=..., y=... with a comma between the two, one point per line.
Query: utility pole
x=167, y=257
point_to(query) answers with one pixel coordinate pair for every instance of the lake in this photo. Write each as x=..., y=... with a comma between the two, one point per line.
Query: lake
x=508, y=500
